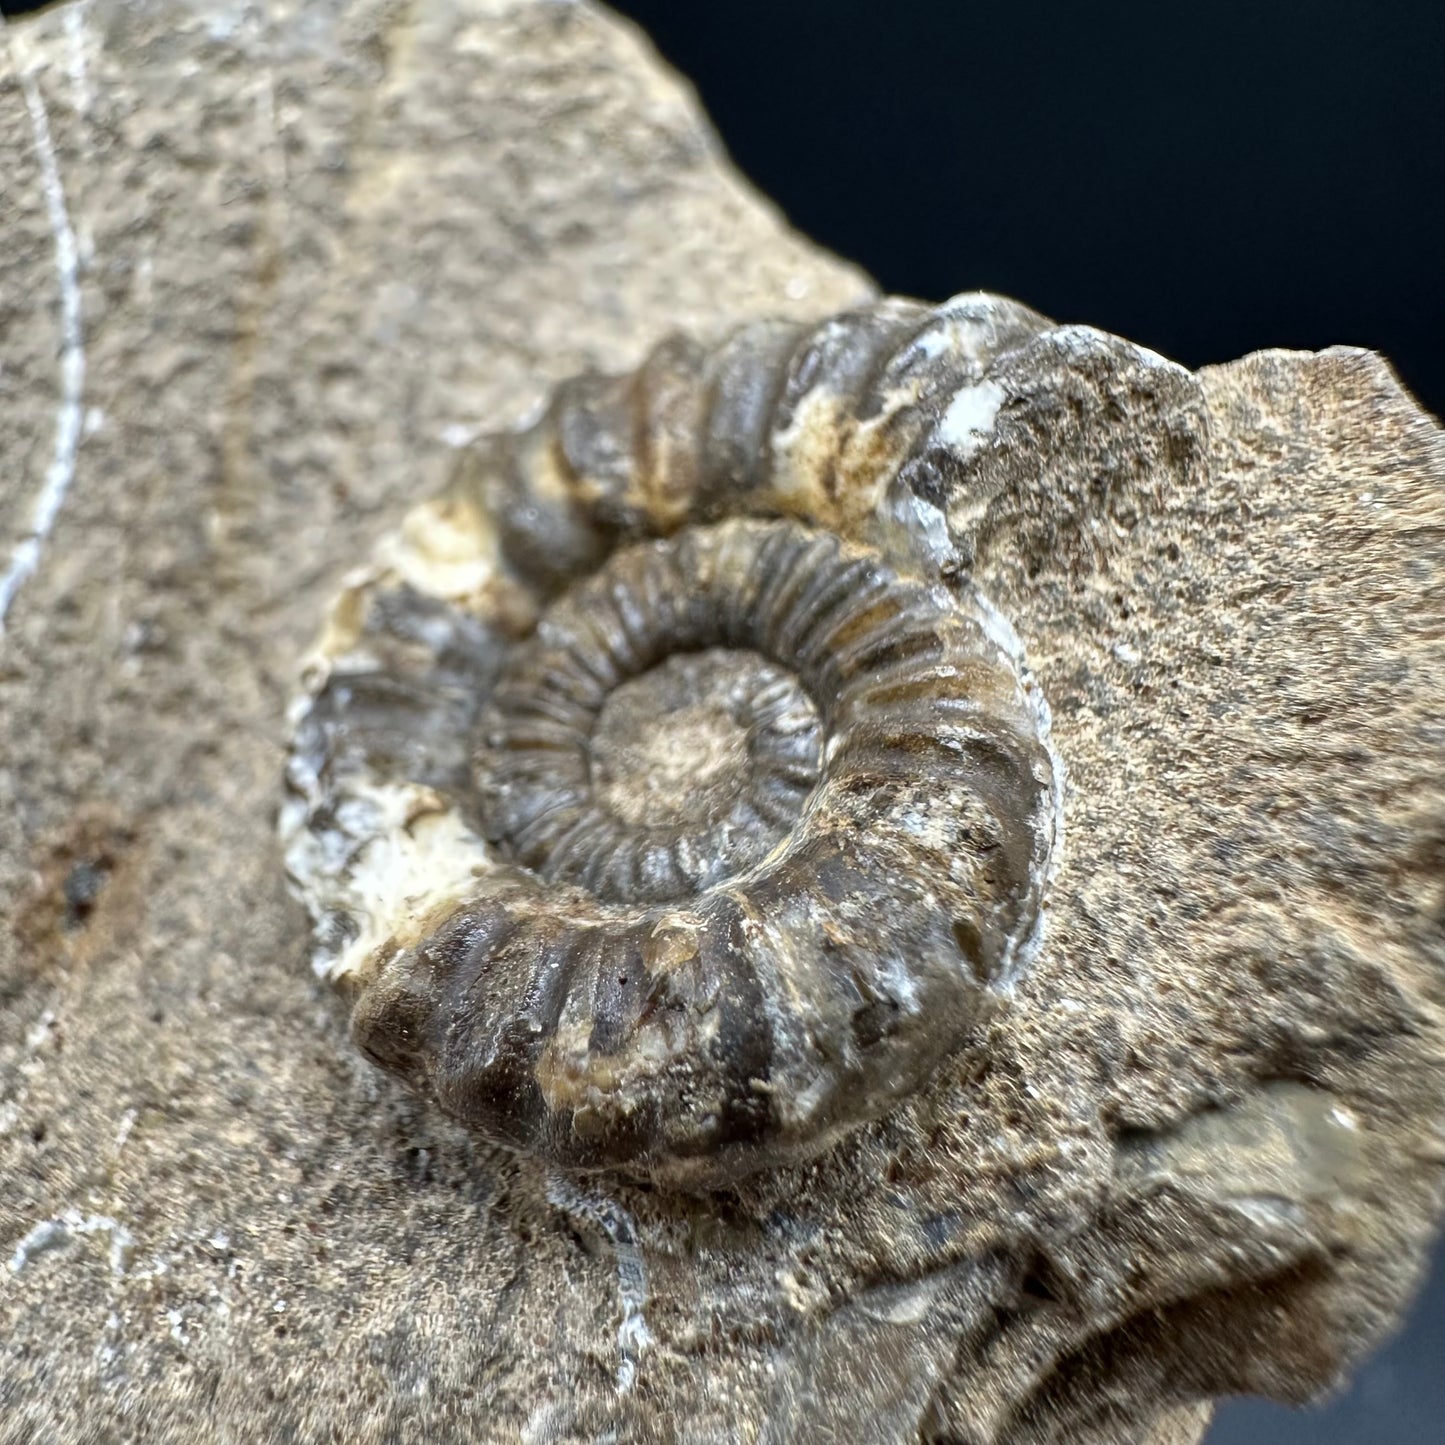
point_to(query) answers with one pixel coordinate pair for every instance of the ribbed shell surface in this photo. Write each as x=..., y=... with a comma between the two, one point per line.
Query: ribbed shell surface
x=751, y=801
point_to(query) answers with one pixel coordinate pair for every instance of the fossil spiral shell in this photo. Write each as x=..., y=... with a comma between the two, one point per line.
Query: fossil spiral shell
x=665, y=791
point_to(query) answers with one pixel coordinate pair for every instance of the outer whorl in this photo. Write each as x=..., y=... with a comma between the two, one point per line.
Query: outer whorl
x=703, y=822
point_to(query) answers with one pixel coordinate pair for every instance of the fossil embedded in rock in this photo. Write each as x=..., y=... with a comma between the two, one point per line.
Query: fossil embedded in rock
x=708, y=813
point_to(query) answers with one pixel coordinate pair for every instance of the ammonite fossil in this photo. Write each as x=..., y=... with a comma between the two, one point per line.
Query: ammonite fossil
x=666, y=791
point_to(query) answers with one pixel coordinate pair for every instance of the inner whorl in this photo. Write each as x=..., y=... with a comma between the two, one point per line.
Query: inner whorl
x=671, y=718
x=661, y=732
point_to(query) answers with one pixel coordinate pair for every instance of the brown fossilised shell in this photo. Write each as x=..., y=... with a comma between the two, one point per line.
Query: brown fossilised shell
x=705, y=821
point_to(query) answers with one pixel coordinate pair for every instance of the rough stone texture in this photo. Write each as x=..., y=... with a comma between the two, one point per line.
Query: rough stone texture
x=1203, y=1151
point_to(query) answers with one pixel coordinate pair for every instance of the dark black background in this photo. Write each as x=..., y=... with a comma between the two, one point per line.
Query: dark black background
x=1203, y=176
x=1207, y=178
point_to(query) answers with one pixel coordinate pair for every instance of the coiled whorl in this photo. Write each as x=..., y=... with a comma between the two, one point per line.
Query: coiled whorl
x=761, y=809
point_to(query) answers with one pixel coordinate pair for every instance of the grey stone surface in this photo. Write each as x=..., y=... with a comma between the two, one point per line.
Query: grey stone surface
x=263, y=268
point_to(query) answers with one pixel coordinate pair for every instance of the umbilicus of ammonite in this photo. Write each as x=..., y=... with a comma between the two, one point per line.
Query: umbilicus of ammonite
x=687, y=804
